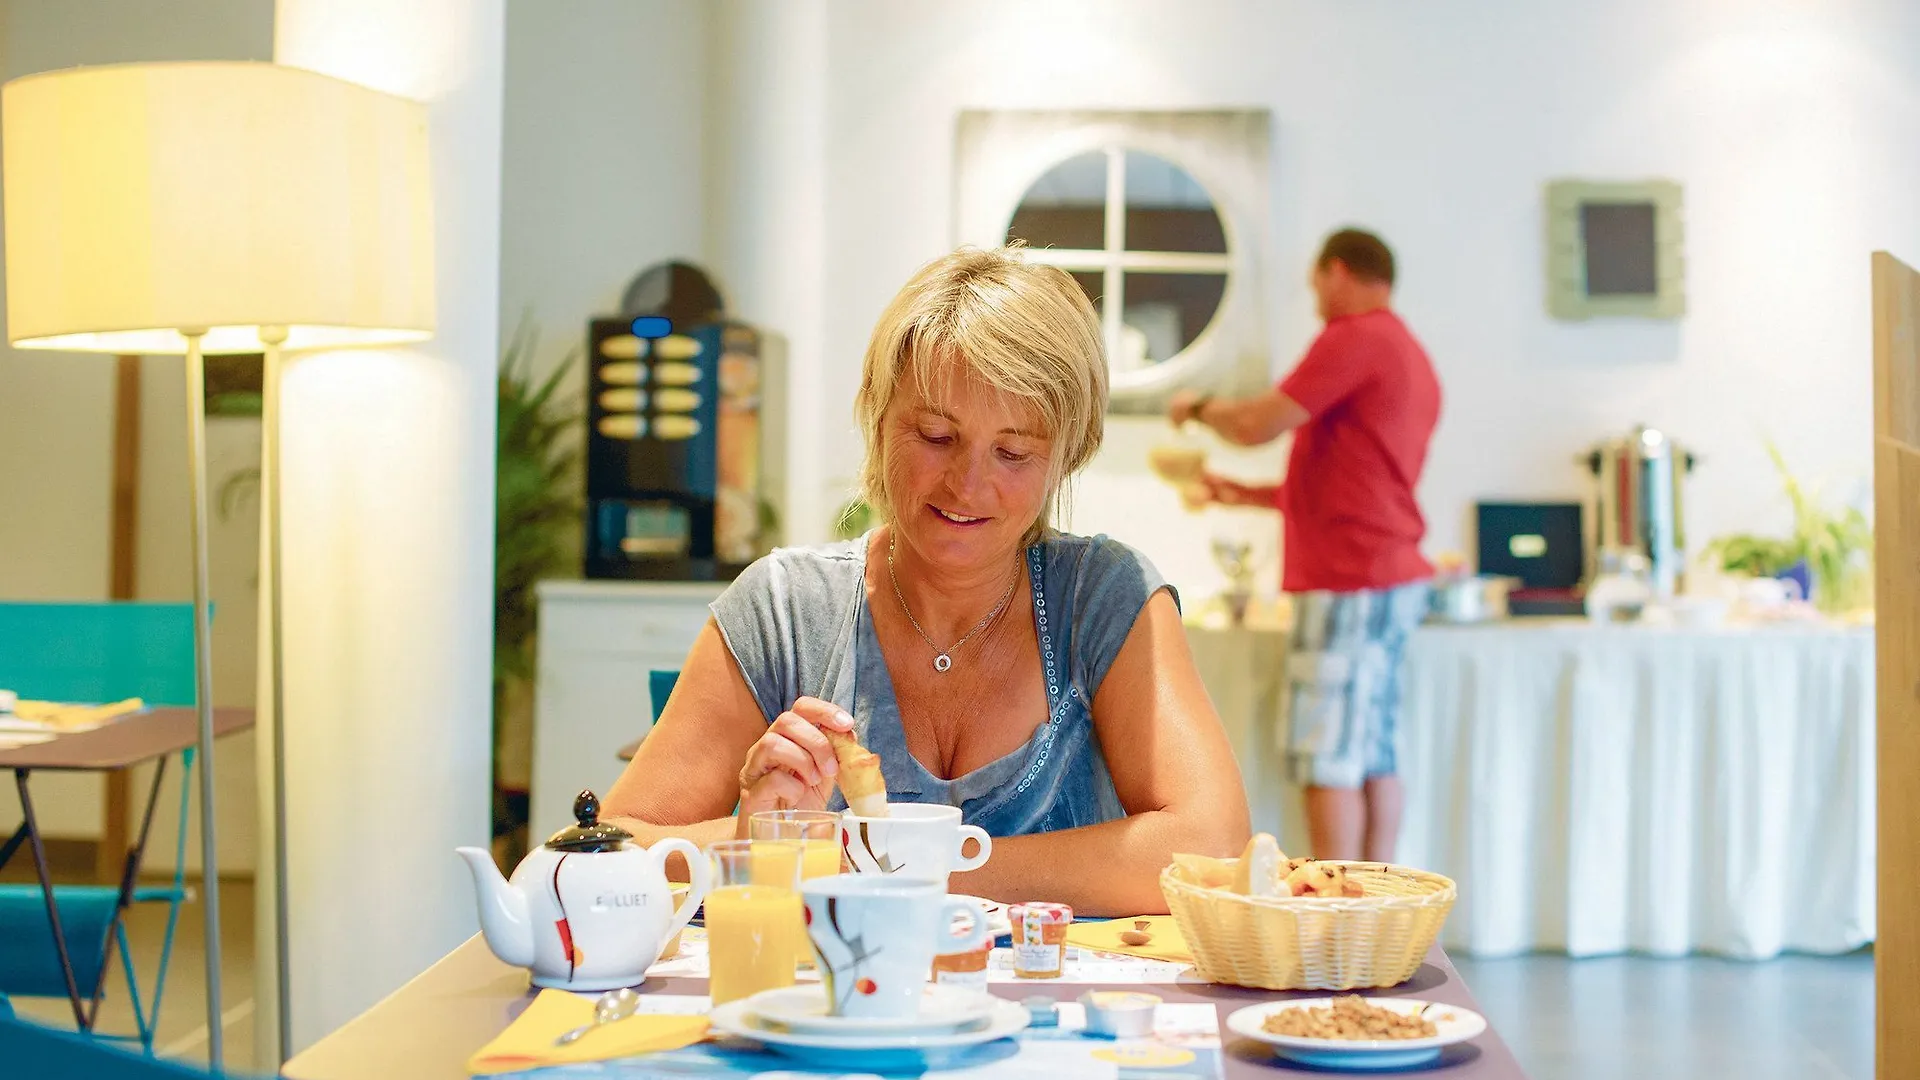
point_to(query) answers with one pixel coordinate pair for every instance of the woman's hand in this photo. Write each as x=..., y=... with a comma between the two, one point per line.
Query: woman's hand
x=792, y=766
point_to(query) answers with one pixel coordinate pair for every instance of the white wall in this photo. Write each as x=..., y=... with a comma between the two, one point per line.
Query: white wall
x=387, y=582
x=56, y=432
x=1795, y=129
x=602, y=170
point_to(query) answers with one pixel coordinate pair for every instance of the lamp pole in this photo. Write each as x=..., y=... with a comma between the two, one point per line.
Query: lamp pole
x=273, y=337
x=203, y=681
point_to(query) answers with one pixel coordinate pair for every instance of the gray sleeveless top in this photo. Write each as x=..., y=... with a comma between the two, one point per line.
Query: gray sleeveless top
x=798, y=623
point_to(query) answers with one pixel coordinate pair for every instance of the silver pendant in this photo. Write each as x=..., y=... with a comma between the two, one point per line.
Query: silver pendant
x=942, y=662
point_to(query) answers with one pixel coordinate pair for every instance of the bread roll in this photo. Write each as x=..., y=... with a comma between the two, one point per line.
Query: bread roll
x=1260, y=867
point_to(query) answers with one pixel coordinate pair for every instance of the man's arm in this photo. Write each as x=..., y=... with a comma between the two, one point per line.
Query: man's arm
x=1252, y=421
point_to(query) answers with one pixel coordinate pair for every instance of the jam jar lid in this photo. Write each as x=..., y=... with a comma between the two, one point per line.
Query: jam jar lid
x=1040, y=914
x=588, y=833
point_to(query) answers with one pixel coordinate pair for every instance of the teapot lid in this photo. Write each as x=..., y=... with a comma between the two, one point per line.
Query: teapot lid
x=589, y=833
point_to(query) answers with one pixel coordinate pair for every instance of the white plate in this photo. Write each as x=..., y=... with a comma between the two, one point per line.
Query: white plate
x=1455, y=1025
x=870, y=1051
x=998, y=922
x=803, y=1010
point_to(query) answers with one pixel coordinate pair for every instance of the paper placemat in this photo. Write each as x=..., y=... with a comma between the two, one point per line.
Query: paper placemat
x=1185, y=1045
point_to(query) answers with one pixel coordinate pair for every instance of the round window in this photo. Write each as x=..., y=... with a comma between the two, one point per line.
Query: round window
x=1144, y=240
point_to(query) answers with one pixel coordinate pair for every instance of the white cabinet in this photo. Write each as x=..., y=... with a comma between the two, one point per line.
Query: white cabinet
x=599, y=640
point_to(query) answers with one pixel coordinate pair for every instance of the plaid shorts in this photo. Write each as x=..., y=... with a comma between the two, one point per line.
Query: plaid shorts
x=1343, y=683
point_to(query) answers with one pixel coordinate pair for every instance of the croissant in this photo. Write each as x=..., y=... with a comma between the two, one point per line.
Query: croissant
x=860, y=778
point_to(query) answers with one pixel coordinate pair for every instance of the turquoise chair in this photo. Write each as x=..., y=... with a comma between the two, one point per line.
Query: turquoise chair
x=659, y=687
x=94, y=652
x=34, y=1050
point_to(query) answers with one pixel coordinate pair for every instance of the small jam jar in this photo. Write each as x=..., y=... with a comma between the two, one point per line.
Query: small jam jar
x=1039, y=939
x=965, y=968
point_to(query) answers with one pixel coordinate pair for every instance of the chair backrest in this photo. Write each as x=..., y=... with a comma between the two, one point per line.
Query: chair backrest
x=30, y=1049
x=104, y=651
x=659, y=686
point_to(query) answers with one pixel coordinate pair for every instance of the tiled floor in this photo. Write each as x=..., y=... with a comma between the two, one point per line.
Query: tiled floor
x=1631, y=1018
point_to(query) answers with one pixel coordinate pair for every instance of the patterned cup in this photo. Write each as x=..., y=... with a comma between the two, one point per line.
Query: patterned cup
x=874, y=939
x=914, y=840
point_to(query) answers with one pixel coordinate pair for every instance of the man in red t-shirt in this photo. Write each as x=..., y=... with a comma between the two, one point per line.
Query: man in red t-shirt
x=1362, y=405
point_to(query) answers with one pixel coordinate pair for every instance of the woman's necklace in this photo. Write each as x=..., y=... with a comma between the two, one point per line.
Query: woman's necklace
x=943, y=658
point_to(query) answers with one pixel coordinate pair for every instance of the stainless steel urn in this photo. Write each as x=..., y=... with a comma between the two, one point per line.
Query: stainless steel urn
x=1638, y=498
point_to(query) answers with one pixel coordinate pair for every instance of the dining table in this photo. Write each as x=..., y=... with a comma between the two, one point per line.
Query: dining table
x=149, y=734
x=432, y=1025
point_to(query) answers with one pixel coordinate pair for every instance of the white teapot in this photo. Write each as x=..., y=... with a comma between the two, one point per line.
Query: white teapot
x=589, y=910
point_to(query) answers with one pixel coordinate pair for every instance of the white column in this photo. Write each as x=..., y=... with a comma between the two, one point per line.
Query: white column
x=388, y=549
x=767, y=233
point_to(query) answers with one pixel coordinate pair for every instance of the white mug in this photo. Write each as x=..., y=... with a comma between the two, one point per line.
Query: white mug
x=874, y=939
x=916, y=840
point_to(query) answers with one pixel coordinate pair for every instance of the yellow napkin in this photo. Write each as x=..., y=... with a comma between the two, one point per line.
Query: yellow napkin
x=528, y=1041
x=59, y=715
x=1167, y=944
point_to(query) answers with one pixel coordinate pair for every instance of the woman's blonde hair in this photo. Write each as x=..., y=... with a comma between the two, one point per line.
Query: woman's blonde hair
x=1022, y=328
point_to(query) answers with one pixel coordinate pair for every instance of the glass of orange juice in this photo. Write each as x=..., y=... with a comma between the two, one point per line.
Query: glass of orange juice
x=751, y=916
x=817, y=830
x=818, y=834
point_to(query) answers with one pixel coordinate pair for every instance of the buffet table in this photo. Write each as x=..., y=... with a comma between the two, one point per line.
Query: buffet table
x=1611, y=788
x=428, y=1028
x=1602, y=788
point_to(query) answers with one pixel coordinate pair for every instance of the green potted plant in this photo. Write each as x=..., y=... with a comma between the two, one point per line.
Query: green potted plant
x=1832, y=550
x=537, y=535
x=852, y=520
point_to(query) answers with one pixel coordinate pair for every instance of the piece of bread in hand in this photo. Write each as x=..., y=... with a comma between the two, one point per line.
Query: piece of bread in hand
x=860, y=778
x=1260, y=870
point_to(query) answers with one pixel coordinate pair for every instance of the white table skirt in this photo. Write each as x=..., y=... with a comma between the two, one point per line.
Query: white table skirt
x=1600, y=789
x=1606, y=789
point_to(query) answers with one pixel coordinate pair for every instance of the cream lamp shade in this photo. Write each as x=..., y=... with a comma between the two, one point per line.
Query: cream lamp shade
x=147, y=200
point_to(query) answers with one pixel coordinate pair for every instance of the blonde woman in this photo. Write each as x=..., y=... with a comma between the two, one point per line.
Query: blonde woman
x=1041, y=682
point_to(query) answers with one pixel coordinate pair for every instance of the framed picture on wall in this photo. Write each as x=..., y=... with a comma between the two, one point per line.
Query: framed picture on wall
x=1615, y=248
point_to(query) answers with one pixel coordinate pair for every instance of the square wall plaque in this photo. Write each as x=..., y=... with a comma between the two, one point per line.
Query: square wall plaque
x=1615, y=249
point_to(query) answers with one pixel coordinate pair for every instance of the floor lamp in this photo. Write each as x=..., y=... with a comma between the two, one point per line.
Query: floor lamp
x=206, y=208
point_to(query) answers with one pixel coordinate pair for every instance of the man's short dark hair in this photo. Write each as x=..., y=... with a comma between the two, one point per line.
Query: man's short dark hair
x=1365, y=255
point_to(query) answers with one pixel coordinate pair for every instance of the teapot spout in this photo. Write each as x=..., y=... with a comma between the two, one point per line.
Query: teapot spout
x=503, y=910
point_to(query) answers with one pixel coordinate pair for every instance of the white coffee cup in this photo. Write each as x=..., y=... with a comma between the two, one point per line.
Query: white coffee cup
x=874, y=939
x=917, y=840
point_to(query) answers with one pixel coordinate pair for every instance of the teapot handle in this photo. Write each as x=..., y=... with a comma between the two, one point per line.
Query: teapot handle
x=699, y=873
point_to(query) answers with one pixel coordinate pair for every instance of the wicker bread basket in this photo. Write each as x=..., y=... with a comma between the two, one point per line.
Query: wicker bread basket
x=1313, y=943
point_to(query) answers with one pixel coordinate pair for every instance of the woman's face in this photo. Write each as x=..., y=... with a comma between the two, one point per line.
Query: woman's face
x=967, y=472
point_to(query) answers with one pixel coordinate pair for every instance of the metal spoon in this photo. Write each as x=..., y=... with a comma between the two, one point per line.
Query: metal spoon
x=1139, y=935
x=612, y=1005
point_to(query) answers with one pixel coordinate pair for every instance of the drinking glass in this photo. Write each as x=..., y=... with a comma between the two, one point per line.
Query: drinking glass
x=818, y=834
x=754, y=925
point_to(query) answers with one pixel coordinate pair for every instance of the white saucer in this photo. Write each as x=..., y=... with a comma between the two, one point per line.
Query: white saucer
x=998, y=922
x=802, y=1010
x=871, y=1051
x=1455, y=1025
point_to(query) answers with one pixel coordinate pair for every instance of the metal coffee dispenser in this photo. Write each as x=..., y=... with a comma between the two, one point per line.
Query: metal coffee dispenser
x=1639, y=479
